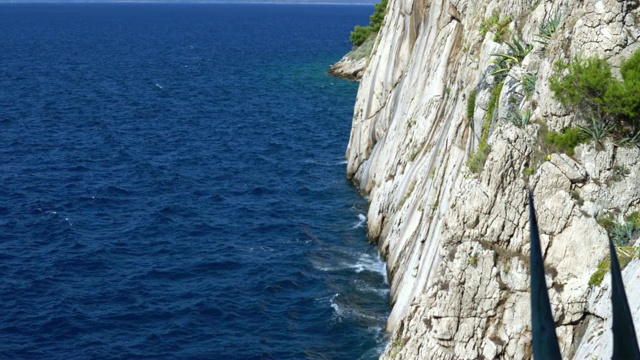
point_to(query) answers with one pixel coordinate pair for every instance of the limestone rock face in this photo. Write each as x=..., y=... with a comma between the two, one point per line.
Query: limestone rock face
x=348, y=68
x=596, y=341
x=457, y=242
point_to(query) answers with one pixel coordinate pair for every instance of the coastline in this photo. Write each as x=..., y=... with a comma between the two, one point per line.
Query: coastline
x=454, y=237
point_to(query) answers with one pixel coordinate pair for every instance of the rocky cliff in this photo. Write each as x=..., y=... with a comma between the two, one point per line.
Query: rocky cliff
x=352, y=66
x=455, y=234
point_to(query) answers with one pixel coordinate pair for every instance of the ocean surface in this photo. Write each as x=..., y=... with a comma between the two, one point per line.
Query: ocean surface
x=173, y=185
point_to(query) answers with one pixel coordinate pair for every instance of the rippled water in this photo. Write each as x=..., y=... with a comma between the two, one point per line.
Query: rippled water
x=173, y=185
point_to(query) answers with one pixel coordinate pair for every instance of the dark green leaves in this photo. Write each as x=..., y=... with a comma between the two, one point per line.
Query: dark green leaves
x=545, y=342
x=361, y=33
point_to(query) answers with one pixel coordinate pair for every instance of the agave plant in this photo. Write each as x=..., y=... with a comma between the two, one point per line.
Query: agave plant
x=529, y=83
x=518, y=49
x=545, y=341
x=631, y=140
x=622, y=234
x=519, y=118
x=545, y=32
x=597, y=130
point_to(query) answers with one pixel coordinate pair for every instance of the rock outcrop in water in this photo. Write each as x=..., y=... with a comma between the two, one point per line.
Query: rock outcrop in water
x=352, y=66
x=456, y=242
x=348, y=69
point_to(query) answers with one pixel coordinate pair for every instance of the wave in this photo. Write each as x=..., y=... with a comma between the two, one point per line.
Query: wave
x=368, y=288
x=342, y=311
x=338, y=312
x=366, y=263
x=362, y=220
x=371, y=263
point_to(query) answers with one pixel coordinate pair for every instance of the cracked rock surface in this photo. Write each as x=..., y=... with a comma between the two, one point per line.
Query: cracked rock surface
x=457, y=242
x=348, y=69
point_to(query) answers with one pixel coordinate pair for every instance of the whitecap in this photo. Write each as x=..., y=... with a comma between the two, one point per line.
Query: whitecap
x=361, y=221
x=325, y=268
x=368, y=288
x=260, y=249
x=342, y=310
x=337, y=311
x=368, y=262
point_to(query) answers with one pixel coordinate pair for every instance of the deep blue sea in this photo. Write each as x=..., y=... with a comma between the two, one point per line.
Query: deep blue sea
x=172, y=185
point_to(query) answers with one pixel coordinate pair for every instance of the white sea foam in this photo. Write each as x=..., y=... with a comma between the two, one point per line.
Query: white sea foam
x=343, y=162
x=366, y=287
x=324, y=267
x=260, y=249
x=366, y=262
x=342, y=311
x=361, y=221
x=372, y=263
x=337, y=311
x=375, y=330
x=159, y=86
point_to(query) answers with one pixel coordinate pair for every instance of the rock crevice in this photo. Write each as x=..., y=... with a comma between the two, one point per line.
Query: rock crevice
x=456, y=242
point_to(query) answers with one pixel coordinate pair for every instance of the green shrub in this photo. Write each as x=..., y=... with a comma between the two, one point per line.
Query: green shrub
x=634, y=217
x=582, y=83
x=625, y=255
x=602, y=269
x=489, y=23
x=379, y=10
x=471, y=106
x=493, y=103
x=360, y=34
x=565, y=141
x=575, y=195
x=362, y=51
x=623, y=97
x=499, y=27
x=606, y=222
x=609, y=105
x=479, y=158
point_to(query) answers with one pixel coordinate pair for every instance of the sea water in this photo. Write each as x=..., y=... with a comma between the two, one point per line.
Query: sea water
x=173, y=185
